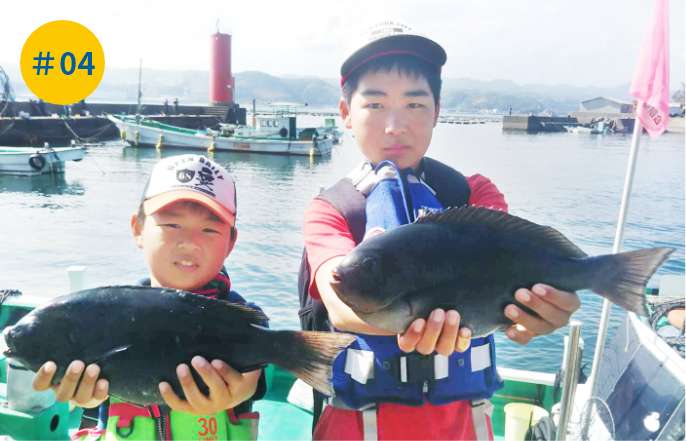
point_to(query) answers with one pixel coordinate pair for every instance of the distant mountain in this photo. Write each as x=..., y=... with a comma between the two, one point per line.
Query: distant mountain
x=499, y=96
x=264, y=88
x=459, y=94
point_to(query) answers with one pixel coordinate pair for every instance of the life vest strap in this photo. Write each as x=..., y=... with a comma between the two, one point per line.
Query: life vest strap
x=481, y=419
x=127, y=412
x=370, y=425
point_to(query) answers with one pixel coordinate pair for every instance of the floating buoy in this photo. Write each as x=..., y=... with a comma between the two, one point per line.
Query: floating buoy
x=37, y=162
x=122, y=134
x=160, y=140
x=212, y=146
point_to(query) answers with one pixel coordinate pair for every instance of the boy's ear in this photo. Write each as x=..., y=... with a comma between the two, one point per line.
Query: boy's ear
x=232, y=242
x=438, y=110
x=344, y=109
x=136, y=230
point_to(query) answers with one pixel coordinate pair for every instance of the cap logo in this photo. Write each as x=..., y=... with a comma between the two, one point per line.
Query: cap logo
x=185, y=176
x=386, y=29
x=206, y=178
x=199, y=168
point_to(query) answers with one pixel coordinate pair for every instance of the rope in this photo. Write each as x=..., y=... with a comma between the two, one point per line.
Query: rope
x=8, y=128
x=94, y=136
x=608, y=422
x=6, y=95
x=66, y=124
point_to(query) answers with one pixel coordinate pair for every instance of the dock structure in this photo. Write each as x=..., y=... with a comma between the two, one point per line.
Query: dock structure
x=535, y=124
x=463, y=120
x=58, y=131
x=34, y=124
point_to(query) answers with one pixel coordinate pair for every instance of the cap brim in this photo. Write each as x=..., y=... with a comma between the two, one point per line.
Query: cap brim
x=156, y=203
x=408, y=44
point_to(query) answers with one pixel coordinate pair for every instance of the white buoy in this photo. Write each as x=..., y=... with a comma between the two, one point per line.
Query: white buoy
x=76, y=275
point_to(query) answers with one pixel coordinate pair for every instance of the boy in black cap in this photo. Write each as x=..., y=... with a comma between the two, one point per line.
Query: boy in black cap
x=391, y=99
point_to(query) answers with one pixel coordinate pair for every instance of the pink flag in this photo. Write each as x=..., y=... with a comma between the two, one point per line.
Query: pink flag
x=650, y=86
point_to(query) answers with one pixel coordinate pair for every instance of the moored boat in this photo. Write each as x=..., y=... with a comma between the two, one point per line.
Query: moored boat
x=272, y=135
x=35, y=161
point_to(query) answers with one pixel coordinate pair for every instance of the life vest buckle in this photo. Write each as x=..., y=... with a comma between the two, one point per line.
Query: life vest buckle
x=418, y=368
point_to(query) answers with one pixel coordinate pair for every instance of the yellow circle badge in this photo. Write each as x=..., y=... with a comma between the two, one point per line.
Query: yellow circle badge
x=62, y=62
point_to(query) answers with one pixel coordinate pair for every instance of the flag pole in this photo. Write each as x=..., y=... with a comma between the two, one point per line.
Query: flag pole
x=617, y=245
x=650, y=87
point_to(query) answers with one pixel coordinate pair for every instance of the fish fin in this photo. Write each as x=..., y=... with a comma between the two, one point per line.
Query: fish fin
x=220, y=309
x=253, y=315
x=310, y=355
x=260, y=327
x=103, y=357
x=623, y=277
x=244, y=312
x=502, y=222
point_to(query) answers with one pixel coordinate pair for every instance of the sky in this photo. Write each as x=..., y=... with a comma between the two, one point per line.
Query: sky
x=580, y=43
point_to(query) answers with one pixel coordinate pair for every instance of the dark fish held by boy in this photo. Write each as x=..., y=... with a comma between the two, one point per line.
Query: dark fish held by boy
x=473, y=260
x=138, y=335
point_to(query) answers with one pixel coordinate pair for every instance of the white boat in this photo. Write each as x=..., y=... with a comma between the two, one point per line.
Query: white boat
x=578, y=130
x=640, y=392
x=331, y=129
x=37, y=160
x=272, y=135
x=601, y=127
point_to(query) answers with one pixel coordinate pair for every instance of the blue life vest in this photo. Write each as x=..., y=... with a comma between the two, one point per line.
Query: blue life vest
x=374, y=369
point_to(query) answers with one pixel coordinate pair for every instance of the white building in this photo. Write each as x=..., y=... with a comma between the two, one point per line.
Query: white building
x=602, y=104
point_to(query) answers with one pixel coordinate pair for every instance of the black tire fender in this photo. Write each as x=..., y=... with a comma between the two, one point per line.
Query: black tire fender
x=37, y=161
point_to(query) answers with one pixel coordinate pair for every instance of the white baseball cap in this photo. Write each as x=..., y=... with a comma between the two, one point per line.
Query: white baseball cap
x=191, y=178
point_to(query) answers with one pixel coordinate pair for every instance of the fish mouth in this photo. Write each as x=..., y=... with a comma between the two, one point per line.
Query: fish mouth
x=352, y=298
x=4, y=347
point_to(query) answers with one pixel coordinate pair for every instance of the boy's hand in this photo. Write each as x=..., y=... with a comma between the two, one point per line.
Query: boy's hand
x=80, y=384
x=554, y=307
x=438, y=333
x=227, y=387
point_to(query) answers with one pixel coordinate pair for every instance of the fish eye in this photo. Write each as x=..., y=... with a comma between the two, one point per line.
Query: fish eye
x=370, y=265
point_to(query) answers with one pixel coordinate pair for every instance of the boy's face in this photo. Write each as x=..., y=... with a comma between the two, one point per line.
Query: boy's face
x=392, y=116
x=184, y=246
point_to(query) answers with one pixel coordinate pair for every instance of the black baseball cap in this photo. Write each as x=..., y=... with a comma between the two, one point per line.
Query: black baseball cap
x=393, y=38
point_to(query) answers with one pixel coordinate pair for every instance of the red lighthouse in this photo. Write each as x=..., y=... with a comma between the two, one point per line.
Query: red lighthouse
x=221, y=80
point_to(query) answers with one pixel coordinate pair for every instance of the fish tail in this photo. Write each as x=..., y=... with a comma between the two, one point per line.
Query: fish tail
x=623, y=277
x=310, y=355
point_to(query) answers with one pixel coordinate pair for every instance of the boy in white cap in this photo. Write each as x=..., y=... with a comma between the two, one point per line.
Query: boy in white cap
x=186, y=227
x=433, y=381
